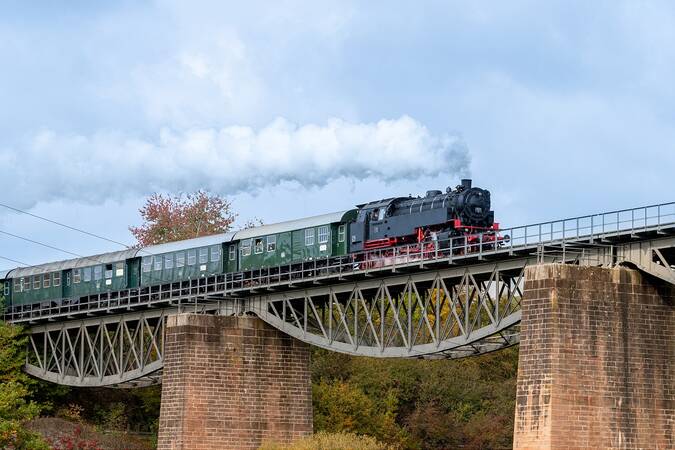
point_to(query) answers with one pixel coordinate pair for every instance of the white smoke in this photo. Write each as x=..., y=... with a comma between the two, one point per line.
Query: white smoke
x=229, y=160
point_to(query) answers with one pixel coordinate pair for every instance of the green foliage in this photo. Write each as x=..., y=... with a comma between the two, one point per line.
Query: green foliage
x=466, y=403
x=13, y=436
x=331, y=441
x=15, y=387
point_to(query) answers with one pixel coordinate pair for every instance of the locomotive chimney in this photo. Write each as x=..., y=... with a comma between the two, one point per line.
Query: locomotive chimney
x=466, y=183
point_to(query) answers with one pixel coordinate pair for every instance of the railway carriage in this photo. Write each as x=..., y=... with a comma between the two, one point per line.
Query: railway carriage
x=183, y=260
x=286, y=243
x=64, y=282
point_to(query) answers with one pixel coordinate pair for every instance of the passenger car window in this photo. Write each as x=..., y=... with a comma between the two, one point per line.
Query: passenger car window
x=86, y=274
x=233, y=252
x=76, y=276
x=192, y=257
x=323, y=234
x=309, y=236
x=57, y=279
x=97, y=273
x=215, y=253
x=47, y=280
x=203, y=255
x=341, y=233
x=108, y=270
x=271, y=243
x=246, y=247
x=147, y=264
x=168, y=261
x=180, y=259
x=36, y=281
x=258, y=245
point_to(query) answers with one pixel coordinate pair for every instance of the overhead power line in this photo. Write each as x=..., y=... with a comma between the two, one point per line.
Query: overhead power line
x=79, y=230
x=40, y=243
x=14, y=261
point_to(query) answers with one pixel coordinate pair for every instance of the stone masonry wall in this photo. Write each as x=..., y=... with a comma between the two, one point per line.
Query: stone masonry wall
x=231, y=383
x=596, y=360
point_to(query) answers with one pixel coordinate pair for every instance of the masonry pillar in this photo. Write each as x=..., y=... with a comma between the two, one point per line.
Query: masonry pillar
x=232, y=383
x=596, y=366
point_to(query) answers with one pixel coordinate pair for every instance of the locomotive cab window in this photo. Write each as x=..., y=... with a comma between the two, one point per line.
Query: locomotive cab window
x=323, y=234
x=271, y=243
x=258, y=245
x=309, y=237
x=341, y=233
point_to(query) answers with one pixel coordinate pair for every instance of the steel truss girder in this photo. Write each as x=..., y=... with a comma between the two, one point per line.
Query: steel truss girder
x=450, y=312
x=649, y=256
x=120, y=350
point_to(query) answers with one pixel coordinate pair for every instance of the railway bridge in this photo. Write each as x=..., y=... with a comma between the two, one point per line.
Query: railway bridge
x=590, y=300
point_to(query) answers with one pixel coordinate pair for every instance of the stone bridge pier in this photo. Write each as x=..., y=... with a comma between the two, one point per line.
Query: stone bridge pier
x=596, y=360
x=231, y=383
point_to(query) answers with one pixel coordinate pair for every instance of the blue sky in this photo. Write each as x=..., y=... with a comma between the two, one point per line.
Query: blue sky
x=296, y=108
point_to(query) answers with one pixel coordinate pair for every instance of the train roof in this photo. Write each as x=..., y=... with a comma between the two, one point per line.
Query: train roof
x=4, y=273
x=175, y=246
x=291, y=225
x=104, y=258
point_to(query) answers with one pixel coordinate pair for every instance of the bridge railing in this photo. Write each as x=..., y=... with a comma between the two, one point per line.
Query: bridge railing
x=593, y=226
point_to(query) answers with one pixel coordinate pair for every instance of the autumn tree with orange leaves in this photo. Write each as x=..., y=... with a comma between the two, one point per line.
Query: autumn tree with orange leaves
x=168, y=218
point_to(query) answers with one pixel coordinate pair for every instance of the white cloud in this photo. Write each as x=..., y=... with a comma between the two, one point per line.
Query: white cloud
x=227, y=160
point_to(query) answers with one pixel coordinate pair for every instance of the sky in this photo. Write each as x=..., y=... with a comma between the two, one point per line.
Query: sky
x=297, y=108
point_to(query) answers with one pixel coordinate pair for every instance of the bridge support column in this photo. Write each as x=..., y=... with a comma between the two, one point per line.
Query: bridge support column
x=232, y=382
x=596, y=360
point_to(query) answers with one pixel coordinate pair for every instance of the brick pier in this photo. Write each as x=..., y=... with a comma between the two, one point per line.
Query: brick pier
x=597, y=358
x=231, y=383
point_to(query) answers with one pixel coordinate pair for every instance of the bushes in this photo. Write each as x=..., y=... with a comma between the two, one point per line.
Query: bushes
x=331, y=441
x=466, y=403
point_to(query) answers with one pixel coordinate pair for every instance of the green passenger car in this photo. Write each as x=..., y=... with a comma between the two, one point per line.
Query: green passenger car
x=289, y=242
x=183, y=260
x=54, y=282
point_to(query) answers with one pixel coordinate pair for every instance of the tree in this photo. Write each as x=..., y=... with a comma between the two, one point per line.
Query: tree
x=15, y=405
x=170, y=218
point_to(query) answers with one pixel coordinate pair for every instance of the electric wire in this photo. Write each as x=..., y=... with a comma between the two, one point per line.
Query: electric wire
x=79, y=230
x=14, y=261
x=51, y=247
